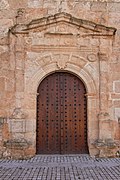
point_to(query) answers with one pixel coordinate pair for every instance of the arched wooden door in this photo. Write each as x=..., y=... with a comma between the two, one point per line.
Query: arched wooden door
x=61, y=115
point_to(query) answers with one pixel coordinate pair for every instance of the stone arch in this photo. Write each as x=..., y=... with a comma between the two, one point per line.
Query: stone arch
x=71, y=68
x=92, y=121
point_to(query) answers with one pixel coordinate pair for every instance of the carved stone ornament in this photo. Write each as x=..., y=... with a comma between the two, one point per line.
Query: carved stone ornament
x=18, y=114
x=61, y=64
x=92, y=57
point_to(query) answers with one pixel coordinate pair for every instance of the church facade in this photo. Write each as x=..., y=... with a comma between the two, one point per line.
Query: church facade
x=59, y=78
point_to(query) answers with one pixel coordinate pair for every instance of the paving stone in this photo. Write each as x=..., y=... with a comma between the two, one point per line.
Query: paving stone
x=60, y=167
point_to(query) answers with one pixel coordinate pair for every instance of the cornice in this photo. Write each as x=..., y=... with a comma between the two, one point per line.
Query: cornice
x=96, y=29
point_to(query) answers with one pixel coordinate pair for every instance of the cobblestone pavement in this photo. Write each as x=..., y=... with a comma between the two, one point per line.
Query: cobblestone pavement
x=60, y=167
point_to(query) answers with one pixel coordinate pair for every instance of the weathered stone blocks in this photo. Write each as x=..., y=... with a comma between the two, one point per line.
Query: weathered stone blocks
x=41, y=37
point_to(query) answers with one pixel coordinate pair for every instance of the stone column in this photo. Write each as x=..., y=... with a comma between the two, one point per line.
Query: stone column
x=104, y=120
x=105, y=142
x=92, y=124
x=16, y=144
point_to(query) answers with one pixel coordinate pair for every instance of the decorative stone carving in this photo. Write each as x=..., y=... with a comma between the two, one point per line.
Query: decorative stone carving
x=92, y=57
x=61, y=64
x=61, y=60
x=20, y=18
x=77, y=60
x=18, y=114
x=3, y=4
x=17, y=126
x=44, y=60
x=17, y=144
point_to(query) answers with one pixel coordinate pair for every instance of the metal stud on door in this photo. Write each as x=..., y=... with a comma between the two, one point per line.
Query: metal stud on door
x=61, y=115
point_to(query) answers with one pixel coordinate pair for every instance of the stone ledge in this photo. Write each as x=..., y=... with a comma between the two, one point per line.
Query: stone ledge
x=107, y=147
x=17, y=144
x=106, y=143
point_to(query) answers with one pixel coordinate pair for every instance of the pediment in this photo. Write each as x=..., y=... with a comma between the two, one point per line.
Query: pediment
x=64, y=24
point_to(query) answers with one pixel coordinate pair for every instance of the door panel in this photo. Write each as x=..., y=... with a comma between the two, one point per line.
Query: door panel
x=61, y=115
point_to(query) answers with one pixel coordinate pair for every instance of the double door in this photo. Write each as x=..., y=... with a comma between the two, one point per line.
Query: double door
x=61, y=115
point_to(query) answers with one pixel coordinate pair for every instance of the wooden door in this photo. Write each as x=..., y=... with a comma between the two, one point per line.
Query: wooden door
x=61, y=115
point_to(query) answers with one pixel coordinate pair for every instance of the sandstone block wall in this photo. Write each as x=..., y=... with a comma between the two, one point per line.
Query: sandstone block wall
x=31, y=47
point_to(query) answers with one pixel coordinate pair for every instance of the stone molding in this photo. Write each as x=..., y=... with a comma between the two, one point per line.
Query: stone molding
x=17, y=144
x=61, y=60
x=95, y=29
x=81, y=72
x=107, y=147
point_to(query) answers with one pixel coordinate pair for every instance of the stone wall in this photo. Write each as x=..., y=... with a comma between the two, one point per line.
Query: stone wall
x=34, y=42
